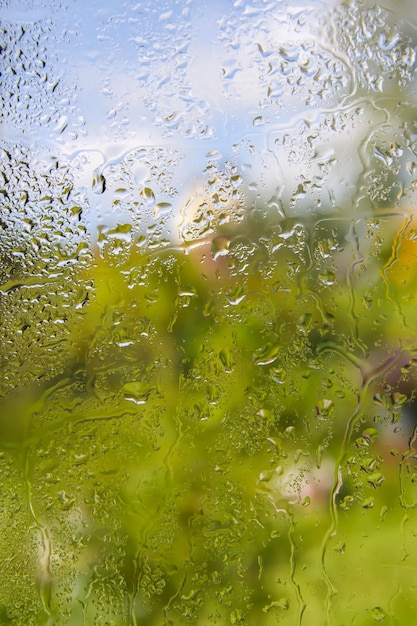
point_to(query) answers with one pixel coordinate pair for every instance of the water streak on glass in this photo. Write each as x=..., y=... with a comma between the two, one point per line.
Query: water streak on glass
x=208, y=279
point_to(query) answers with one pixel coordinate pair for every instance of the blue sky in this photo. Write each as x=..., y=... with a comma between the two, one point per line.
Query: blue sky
x=290, y=96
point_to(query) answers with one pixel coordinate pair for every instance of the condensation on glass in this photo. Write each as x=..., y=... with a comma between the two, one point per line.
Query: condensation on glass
x=208, y=255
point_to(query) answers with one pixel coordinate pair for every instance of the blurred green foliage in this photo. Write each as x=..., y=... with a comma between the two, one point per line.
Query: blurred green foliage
x=231, y=441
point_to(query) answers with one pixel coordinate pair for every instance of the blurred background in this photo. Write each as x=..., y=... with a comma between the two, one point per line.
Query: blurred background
x=208, y=298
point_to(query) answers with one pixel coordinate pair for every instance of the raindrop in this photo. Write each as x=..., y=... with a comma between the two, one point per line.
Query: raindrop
x=220, y=247
x=99, y=183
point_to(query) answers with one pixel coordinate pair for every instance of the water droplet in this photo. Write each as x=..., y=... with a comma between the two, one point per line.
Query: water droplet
x=226, y=359
x=281, y=603
x=376, y=479
x=220, y=247
x=148, y=196
x=378, y=614
x=137, y=392
x=368, y=503
x=99, y=183
x=325, y=409
x=267, y=354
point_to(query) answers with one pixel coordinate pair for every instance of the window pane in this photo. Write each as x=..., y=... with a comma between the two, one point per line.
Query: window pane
x=208, y=254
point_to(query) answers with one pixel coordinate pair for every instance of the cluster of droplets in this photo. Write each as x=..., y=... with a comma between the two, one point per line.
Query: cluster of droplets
x=43, y=238
x=378, y=52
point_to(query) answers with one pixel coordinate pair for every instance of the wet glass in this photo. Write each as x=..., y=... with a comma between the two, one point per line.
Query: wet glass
x=208, y=257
